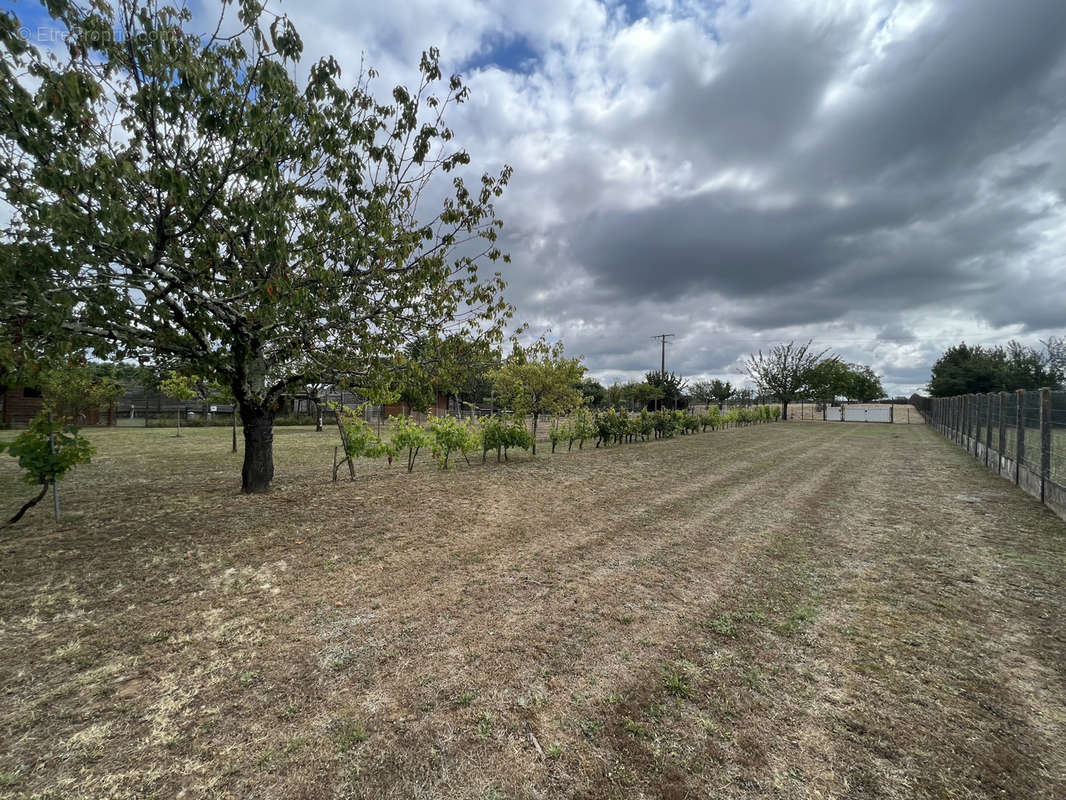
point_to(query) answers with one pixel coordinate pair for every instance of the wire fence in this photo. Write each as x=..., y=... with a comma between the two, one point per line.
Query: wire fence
x=1018, y=435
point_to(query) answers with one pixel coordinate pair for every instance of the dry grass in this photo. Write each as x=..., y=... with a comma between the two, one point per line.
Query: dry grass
x=777, y=611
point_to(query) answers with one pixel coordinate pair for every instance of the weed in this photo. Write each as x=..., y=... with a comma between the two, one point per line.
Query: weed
x=464, y=699
x=554, y=751
x=753, y=677
x=591, y=728
x=723, y=625
x=248, y=678
x=484, y=725
x=677, y=683
x=634, y=728
x=656, y=711
x=348, y=733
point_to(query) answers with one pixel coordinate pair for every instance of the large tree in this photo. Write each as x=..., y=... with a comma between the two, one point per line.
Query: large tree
x=183, y=197
x=785, y=371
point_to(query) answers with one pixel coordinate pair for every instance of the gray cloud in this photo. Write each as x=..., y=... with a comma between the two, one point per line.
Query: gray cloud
x=885, y=177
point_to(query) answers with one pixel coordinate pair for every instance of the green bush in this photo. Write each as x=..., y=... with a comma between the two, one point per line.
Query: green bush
x=408, y=435
x=41, y=463
x=450, y=435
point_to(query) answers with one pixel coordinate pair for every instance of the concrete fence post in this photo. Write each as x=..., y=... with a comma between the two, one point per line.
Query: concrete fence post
x=965, y=437
x=1019, y=427
x=967, y=418
x=988, y=428
x=1002, y=449
x=1045, y=440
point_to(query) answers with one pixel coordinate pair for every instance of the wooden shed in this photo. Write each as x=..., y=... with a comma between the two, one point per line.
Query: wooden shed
x=403, y=409
x=20, y=404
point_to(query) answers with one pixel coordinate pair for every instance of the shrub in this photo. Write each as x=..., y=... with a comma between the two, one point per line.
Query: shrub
x=41, y=466
x=581, y=428
x=492, y=436
x=410, y=436
x=645, y=425
x=516, y=435
x=450, y=435
x=559, y=430
x=712, y=419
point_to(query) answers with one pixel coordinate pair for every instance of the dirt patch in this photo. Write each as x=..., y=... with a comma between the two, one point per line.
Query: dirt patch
x=792, y=611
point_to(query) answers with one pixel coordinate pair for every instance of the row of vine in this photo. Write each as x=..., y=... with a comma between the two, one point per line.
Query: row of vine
x=447, y=437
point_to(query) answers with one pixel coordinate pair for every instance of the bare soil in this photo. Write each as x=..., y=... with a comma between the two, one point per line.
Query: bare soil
x=793, y=611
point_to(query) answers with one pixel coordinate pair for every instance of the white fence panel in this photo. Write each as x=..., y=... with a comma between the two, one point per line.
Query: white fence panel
x=876, y=414
x=879, y=414
x=834, y=414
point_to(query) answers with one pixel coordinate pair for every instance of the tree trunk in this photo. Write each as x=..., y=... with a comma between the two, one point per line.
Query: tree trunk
x=784, y=410
x=258, y=470
x=535, y=433
x=29, y=504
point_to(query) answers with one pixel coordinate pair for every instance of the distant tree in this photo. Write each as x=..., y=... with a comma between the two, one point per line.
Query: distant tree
x=974, y=369
x=72, y=391
x=593, y=391
x=539, y=380
x=641, y=394
x=180, y=387
x=832, y=378
x=864, y=385
x=672, y=386
x=1055, y=349
x=632, y=395
x=721, y=392
x=212, y=200
x=784, y=372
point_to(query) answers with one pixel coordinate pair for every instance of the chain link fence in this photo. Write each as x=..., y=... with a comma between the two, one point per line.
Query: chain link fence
x=1019, y=435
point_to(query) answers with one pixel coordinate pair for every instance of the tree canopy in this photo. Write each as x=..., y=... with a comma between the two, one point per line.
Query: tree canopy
x=832, y=378
x=538, y=380
x=715, y=391
x=672, y=387
x=974, y=369
x=182, y=196
x=785, y=371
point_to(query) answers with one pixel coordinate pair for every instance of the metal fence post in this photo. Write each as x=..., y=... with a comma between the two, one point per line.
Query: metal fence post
x=1045, y=440
x=1019, y=424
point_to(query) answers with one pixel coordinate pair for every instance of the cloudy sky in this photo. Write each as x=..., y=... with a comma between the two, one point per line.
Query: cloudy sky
x=886, y=178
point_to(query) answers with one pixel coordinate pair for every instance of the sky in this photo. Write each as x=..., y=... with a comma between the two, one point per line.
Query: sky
x=885, y=178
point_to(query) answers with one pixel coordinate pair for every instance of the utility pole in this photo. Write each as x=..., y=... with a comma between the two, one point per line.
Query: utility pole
x=662, y=337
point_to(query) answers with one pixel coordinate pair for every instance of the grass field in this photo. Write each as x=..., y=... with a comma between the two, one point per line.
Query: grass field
x=794, y=611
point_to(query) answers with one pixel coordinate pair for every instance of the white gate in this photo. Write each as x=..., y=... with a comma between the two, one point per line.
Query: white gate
x=875, y=414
